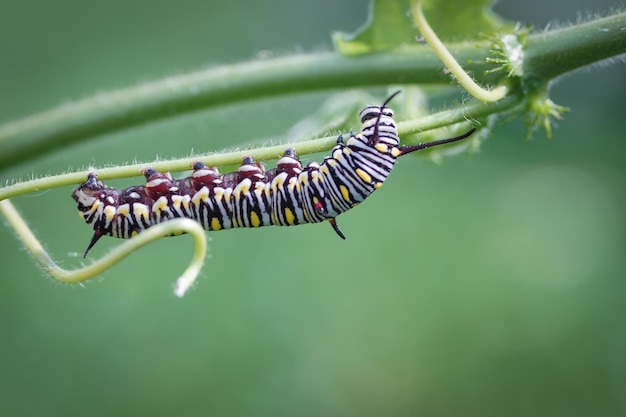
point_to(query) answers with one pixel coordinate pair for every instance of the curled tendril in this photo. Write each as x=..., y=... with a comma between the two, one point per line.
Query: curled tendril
x=487, y=96
x=176, y=226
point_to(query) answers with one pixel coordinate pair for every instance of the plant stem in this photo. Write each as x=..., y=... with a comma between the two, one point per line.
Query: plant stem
x=549, y=54
x=116, y=110
x=556, y=52
x=469, y=111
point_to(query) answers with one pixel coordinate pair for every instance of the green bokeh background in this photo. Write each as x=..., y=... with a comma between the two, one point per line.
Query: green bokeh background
x=490, y=285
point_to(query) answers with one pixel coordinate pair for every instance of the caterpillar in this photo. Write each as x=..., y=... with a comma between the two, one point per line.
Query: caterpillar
x=290, y=194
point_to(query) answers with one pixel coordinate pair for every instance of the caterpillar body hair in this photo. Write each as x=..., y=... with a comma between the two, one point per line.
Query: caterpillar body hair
x=290, y=194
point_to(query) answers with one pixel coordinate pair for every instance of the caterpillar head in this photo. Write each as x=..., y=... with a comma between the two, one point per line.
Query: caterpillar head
x=384, y=135
x=92, y=197
x=379, y=125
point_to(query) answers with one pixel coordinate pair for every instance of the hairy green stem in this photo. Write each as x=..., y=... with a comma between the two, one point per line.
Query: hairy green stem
x=468, y=112
x=549, y=54
x=176, y=95
x=553, y=53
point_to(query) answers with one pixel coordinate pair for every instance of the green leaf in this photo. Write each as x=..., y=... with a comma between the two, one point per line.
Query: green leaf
x=389, y=25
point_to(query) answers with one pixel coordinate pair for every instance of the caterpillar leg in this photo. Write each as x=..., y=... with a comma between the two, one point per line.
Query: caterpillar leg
x=335, y=226
x=319, y=207
x=382, y=110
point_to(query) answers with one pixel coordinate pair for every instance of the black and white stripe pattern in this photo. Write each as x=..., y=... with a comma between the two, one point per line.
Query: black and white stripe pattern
x=287, y=195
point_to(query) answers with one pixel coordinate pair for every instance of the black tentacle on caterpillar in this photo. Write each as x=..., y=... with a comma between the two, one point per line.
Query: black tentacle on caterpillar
x=287, y=195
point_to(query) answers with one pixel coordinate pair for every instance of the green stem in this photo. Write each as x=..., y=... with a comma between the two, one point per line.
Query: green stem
x=467, y=112
x=549, y=54
x=144, y=103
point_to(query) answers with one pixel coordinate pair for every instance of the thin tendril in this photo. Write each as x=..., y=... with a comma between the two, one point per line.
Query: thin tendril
x=450, y=62
x=176, y=226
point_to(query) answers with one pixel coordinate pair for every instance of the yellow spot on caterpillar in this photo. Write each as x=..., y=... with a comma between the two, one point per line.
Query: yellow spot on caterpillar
x=201, y=196
x=219, y=194
x=141, y=211
x=324, y=169
x=344, y=192
x=293, y=184
x=378, y=185
x=254, y=219
x=224, y=194
x=278, y=182
x=109, y=212
x=381, y=147
x=160, y=205
x=215, y=224
x=178, y=200
x=395, y=152
x=331, y=162
x=364, y=175
x=289, y=217
x=96, y=206
x=133, y=233
x=124, y=210
x=242, y=188
x=347, y=151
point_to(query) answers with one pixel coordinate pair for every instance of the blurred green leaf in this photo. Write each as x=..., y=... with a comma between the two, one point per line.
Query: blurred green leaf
x=389, y=25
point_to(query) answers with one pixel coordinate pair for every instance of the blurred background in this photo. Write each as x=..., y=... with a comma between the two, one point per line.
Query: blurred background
x=489, y=285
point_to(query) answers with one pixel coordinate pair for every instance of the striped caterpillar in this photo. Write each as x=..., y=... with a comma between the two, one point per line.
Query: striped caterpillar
x=287, y=195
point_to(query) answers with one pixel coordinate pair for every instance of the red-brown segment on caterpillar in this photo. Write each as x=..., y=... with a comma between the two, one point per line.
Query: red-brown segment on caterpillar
x=287, y=195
